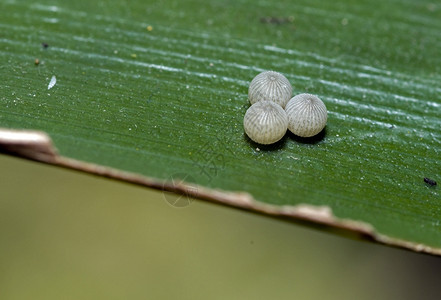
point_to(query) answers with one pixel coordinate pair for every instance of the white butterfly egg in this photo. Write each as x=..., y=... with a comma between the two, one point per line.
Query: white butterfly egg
x=270, y=86
x=265, y=122
x=307, y=115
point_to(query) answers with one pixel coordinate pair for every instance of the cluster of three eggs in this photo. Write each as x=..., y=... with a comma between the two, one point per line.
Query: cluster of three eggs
x=273, y=111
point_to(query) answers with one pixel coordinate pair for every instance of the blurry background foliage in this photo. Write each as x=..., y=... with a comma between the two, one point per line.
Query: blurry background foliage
x=66, y=235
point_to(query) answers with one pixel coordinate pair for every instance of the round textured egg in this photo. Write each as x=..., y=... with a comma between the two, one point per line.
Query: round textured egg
x=270, y=86
x=307, y=115
x=265, y=122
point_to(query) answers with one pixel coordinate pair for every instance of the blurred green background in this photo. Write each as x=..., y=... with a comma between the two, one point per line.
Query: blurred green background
x=67, y=235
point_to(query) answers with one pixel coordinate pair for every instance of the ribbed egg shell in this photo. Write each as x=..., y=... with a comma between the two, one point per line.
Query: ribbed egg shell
x=307, y=115
x=265, y=122
x=270, y=86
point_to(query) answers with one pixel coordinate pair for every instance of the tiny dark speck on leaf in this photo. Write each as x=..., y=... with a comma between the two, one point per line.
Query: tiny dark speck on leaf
x=429, y=181
x=277, y=20
x=44, y=45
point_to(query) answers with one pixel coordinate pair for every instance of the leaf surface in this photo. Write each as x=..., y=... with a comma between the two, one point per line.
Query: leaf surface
x=160, y=89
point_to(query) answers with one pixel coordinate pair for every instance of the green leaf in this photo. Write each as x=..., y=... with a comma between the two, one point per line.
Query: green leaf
x=159, y=89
